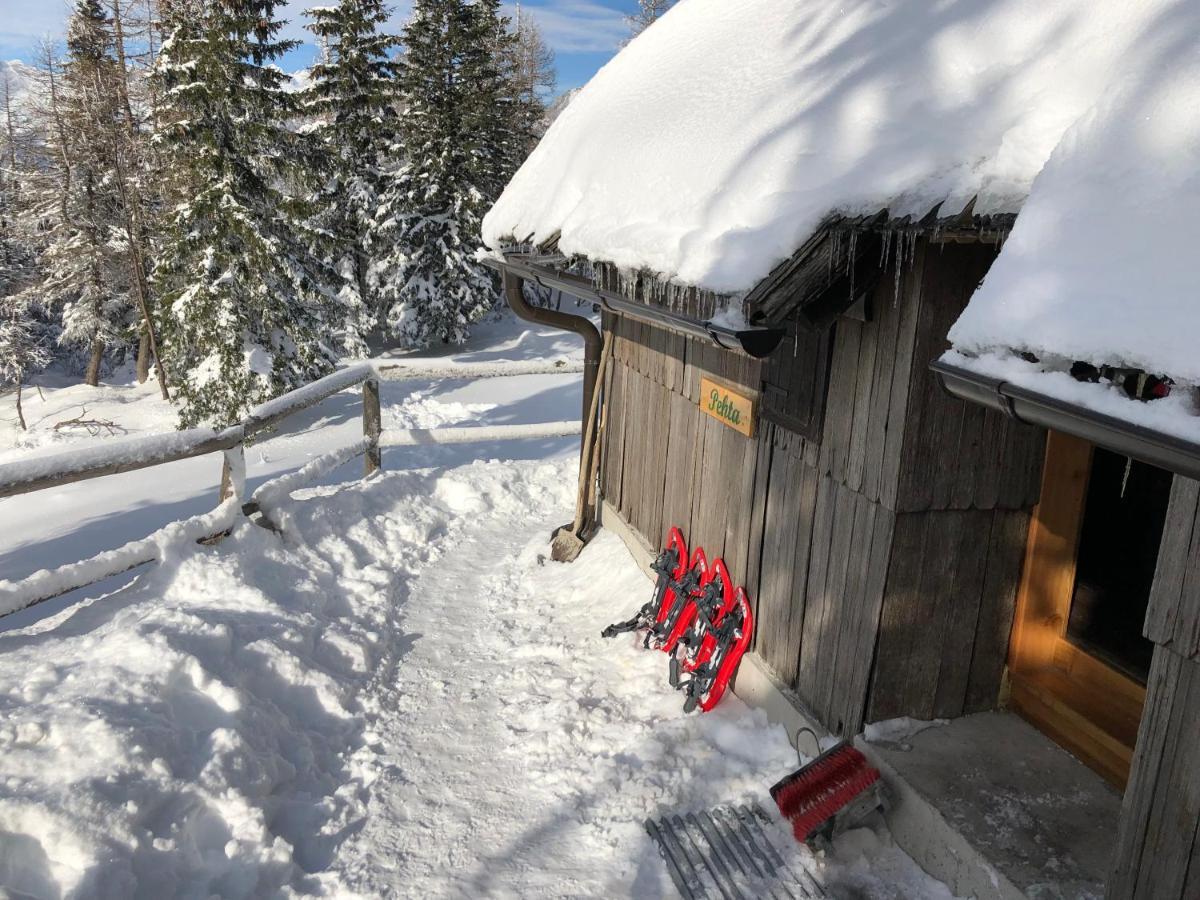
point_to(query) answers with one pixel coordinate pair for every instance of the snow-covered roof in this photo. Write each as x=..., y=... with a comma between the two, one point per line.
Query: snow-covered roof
x=1100, y=266
x=711, y=147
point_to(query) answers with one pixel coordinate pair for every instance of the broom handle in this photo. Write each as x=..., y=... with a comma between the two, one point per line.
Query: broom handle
x=589, y=435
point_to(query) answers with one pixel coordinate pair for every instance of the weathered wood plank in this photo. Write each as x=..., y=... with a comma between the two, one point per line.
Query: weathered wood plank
x=844, y=617
x=1005, y=555
x=898, y=618
x=1157, y=841
x=813, y=634
x=861, y=423
x=782, y=573
x=961, y=604
x=1138, y=806
x=887, y=322
x=839, y=409
x=680, y=466
x=1173, y=613
x=758, y=512
x=854, y=704
x=898, y=405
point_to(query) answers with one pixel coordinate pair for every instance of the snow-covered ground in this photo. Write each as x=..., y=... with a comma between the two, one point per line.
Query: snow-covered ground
x=397, y=696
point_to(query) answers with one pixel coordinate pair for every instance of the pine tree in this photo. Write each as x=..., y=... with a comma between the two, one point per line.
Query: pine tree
x=243, y=309
x=352, y=97
x=85, y=275
x=649, y=11
x=453, y=137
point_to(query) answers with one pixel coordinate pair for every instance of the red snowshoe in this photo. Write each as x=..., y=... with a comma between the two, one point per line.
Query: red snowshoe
x=730, y=637
x=711, y=605
x=697, y=581
x=671, y=567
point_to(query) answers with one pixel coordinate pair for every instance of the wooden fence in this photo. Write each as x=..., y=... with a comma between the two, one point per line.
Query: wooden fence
x=115, y=457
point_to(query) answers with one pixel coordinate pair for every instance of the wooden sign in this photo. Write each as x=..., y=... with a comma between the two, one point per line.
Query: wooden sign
x=727, y=406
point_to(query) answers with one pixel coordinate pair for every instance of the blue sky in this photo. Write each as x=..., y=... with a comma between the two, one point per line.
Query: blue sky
x=584, y=33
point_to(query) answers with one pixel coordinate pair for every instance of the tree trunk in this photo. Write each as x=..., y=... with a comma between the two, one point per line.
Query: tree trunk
x=93, y=369
x=143, y=357
x=20, y=413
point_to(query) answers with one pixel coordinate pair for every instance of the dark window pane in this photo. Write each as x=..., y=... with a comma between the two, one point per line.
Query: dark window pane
x=1118, y=550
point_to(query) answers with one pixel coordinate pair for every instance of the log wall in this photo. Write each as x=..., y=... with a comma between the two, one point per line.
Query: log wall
x=881, y=550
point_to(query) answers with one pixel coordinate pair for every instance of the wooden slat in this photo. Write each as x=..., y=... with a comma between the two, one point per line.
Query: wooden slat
x=1005, y=555
x=1173, y=614
x=839, y=412
x=898, y=406
x=886, y=307
x=758, y=512
x=962, y=600
x=807, y=675
x=857, y=679
x=861, y=423
x=783, y=574
x=898, y=618
x=680, y=466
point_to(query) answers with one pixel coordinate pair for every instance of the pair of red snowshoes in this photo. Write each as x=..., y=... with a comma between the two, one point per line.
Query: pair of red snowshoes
x=697, y=617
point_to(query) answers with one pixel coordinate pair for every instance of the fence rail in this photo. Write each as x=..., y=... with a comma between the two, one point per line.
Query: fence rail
x=25, y=476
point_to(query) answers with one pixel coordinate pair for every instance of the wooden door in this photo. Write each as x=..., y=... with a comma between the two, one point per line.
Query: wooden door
x=1084, y=698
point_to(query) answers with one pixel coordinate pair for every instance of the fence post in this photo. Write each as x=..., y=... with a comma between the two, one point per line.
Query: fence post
x=372, y=425
x=233, y=473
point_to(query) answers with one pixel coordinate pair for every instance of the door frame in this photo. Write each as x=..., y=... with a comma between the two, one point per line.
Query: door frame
x=1082, y=702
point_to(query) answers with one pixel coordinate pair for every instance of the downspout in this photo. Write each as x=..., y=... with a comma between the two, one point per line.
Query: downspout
x=579, y=324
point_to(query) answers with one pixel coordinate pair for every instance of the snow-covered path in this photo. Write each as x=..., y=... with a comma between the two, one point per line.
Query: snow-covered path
x=528, y=750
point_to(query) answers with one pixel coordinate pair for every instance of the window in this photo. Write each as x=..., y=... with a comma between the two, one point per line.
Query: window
x=795, y=378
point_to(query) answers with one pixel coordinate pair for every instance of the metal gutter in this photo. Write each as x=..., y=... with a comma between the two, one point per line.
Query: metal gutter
x=756, y=342
x=1154, y=447
x=581, y=325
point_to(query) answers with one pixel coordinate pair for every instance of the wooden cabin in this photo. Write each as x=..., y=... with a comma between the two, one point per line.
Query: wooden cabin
x=925, y=531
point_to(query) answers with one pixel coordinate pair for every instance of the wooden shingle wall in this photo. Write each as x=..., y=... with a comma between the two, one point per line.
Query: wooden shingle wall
x=882, y=556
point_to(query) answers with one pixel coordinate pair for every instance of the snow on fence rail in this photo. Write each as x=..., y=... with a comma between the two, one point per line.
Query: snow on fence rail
x=124, y=456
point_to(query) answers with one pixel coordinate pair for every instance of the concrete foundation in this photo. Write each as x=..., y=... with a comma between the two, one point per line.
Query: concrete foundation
x=996, y=809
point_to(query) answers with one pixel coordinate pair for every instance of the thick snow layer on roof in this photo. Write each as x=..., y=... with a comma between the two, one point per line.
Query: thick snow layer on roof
x=712, y=145
x=1101, y=266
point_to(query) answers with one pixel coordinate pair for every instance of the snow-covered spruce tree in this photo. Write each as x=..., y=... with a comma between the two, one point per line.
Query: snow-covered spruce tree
x=85, y=275
x=240, y=293
x=452, y=134
x=24, y=347
x=352, y=99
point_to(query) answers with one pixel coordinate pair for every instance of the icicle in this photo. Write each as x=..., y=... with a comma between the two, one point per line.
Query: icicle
x=1125, y=477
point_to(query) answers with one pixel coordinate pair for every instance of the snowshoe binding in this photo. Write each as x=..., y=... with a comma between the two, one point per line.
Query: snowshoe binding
x=670, y=567
x=726, y=637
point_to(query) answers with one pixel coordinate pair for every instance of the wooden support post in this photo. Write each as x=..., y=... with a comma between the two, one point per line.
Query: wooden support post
x=233, y=473
x=372, y=425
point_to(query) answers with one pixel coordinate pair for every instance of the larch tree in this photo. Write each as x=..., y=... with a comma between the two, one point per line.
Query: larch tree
x=244, y=310
x=352, y=101
x=453, y=134
x=648, y=12
x=533, y=79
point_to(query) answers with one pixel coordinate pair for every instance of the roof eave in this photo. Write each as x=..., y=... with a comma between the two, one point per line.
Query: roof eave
x=1034, y=408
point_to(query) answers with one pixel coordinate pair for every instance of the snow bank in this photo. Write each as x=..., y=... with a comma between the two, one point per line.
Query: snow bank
x=1100, y=265
x=711, y=146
